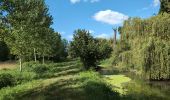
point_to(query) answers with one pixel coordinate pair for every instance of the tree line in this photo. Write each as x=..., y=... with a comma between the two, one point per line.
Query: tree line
x=26, y=32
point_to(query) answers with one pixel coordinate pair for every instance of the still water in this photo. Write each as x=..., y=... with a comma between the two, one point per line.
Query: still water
x=141, y=89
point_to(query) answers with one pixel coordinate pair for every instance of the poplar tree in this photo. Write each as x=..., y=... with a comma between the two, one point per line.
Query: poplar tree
x=30, y=23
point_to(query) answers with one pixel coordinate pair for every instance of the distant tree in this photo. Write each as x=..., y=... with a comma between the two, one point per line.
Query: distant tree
x=104, y=48
x=89, y=49
x=40, y=28
x=71, y=51
x=64, y=48
x=46, y=44
x=56, y=46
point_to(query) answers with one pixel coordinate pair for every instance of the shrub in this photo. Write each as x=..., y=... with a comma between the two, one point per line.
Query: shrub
x=35, y=67
x=6, y=80
x=40, y=69
x=35, y=70
x=28, y=66
x=24, y=76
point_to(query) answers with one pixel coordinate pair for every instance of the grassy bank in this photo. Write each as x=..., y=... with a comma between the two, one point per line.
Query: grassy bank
x=68, y=81
x=61, y=81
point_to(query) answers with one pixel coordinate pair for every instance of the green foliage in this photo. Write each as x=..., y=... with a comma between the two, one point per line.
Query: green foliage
x=139, y=90
x=85, y=47
x=12, y=93
x=28, y=25
x=157, y=59
x=104, y=48
x=89, y=49
x=40, y=69
x=144, y=46
x=6, y=80
x=165, y=6
x=59, y=49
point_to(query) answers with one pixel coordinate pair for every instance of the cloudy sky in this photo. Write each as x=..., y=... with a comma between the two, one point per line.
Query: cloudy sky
x=97, y=16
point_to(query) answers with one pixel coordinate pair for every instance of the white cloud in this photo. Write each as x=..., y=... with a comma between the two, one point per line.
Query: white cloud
x=110, y=17
x=74, y=1
x=77, y=1
x=103, y=35
x=91, y=31
x=156, y=3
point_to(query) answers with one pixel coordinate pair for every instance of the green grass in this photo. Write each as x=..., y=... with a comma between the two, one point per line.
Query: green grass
x=106, y=63
x=67, y=81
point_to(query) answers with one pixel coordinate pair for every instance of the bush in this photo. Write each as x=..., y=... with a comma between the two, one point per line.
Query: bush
x=28, y=66
x=40, y=69
x=6, y=80
x=37, y=70
x=24, y=76
x=35, y=67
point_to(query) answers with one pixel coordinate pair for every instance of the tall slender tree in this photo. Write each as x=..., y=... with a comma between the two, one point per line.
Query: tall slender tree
x=29, y=22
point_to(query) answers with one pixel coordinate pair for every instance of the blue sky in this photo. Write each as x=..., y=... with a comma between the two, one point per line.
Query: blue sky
x=97, y=16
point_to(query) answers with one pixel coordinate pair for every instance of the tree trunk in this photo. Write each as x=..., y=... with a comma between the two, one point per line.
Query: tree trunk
x=150, y=74
x=35, y=57
x=20, y=62
x=115, y=36
x=114, y=39
x=169, y=72
x=43, y=60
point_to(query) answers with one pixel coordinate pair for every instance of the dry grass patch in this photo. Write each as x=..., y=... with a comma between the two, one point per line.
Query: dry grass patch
x=8, y=65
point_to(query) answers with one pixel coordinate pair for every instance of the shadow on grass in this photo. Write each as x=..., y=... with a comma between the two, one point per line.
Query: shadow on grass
x=73, y=88
x=70, y=89
x=66, y=89
x=58, y=70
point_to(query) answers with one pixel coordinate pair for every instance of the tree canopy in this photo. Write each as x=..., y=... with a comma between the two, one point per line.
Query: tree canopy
x=89, y=49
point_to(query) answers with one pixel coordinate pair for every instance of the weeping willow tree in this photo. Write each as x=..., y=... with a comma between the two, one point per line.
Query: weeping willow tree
x=148, y=43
